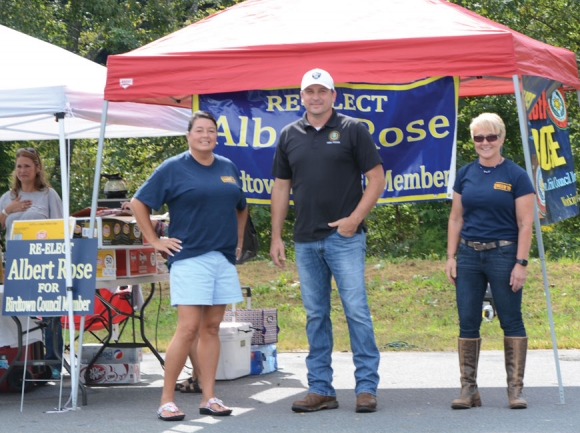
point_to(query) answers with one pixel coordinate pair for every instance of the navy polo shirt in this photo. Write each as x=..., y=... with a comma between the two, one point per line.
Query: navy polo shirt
x=326, y=167
x=488, y=200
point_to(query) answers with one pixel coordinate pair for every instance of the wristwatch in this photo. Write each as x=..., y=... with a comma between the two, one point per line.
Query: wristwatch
x=522, y=262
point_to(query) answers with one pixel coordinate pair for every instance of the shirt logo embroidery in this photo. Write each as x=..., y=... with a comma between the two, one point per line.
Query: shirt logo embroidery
x=333, y=137
x=228, y=179
x=502, y=186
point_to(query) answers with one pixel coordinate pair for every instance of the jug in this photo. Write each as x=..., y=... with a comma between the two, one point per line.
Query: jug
x=115, y=186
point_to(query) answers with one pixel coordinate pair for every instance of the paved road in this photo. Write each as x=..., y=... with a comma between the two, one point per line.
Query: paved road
x=414, y=396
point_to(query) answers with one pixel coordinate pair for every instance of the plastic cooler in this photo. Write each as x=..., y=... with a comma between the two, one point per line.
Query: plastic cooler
x=235, y=350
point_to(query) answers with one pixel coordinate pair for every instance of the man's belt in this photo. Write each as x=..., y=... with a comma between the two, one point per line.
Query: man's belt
x=483, y=246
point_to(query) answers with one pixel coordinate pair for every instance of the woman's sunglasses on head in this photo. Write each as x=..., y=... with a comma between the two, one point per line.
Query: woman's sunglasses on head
x=490, y=138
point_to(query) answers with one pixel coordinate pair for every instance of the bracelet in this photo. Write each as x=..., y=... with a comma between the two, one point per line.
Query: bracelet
x=450, y=256
x=238, y=249
x=4, y=212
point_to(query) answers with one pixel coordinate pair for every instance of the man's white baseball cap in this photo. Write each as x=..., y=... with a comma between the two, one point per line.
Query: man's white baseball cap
x=317, y=76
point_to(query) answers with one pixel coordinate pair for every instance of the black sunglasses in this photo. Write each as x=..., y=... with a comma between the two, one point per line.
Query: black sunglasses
x=27, y=149
x=490, y=138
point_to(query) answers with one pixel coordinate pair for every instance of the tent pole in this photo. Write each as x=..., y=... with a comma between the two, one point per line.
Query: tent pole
x=93, y=214
x=98, y=164
x=525, y=134
x=67, y=251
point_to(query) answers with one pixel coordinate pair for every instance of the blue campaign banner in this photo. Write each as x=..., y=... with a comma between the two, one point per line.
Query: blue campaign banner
x=413, y=125
x=34, y=277
x=550, y=150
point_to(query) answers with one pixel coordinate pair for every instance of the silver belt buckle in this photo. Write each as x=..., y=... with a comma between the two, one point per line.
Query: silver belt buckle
x=478, y=246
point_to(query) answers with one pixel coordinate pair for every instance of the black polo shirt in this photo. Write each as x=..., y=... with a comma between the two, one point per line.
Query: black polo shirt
x=326, y=169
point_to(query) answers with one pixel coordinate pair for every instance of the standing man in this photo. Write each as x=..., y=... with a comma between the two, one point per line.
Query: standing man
x=321, y=157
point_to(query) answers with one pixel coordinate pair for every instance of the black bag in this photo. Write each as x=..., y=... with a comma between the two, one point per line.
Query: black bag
x=251, y=245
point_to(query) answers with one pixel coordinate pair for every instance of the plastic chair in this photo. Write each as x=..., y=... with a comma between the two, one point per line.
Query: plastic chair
x=110, y=309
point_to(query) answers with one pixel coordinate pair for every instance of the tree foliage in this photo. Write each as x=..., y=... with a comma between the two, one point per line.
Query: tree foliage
x=96, y=29
x=555, y=22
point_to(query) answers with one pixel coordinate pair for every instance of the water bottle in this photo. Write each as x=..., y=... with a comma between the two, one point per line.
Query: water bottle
x=271, y=361
x=256, y=365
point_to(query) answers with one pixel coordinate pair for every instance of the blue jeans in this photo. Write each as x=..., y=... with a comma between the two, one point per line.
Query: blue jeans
x=474, y=270
x=53, y=348
x=344, y=258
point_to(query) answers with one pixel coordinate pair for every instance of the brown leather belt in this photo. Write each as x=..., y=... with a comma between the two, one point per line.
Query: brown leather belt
x=483, y=246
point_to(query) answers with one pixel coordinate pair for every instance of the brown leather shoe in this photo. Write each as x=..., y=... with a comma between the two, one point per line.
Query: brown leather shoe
x=314, y=402
x=366, y=402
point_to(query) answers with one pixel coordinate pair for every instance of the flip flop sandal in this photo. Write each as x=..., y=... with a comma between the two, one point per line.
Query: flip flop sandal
x=207, y=410
x=181, y=383
x=169, y=407
x=190, y=386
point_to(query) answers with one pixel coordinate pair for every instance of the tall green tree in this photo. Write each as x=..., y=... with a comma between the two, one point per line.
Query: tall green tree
x=95, y=29
x=555, y=22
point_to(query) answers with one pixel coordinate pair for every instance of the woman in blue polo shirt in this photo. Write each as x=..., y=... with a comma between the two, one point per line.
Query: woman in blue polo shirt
x=489, y=239
x=208, y=211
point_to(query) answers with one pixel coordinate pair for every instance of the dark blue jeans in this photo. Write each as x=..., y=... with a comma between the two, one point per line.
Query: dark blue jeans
x=53, y=348
x=474, y=270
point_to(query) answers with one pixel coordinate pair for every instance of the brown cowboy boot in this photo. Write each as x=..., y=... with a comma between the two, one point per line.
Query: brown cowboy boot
x=468, y=360
x=515, y=349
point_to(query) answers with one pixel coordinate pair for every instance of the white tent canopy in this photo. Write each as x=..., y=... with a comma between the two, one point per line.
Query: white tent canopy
x=38, y=80
x=48, y=93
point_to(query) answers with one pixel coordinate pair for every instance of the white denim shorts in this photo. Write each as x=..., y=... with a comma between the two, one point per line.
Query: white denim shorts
x=209, y=279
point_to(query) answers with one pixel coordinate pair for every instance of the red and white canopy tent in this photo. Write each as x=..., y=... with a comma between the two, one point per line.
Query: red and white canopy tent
x=261, y=44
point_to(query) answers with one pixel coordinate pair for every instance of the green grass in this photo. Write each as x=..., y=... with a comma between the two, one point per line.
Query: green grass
x=412, y=304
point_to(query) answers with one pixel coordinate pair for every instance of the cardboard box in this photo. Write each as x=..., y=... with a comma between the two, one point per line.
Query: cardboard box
x=31, y=230
x=110, y=374
x=108, y=234
x=106, y=265
x=135, y=262
x=112, y=355
x=235, y=353
x=131, y=234
x=111, y=232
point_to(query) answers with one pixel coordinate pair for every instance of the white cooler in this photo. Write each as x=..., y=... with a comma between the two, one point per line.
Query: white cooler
x=235, y=350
